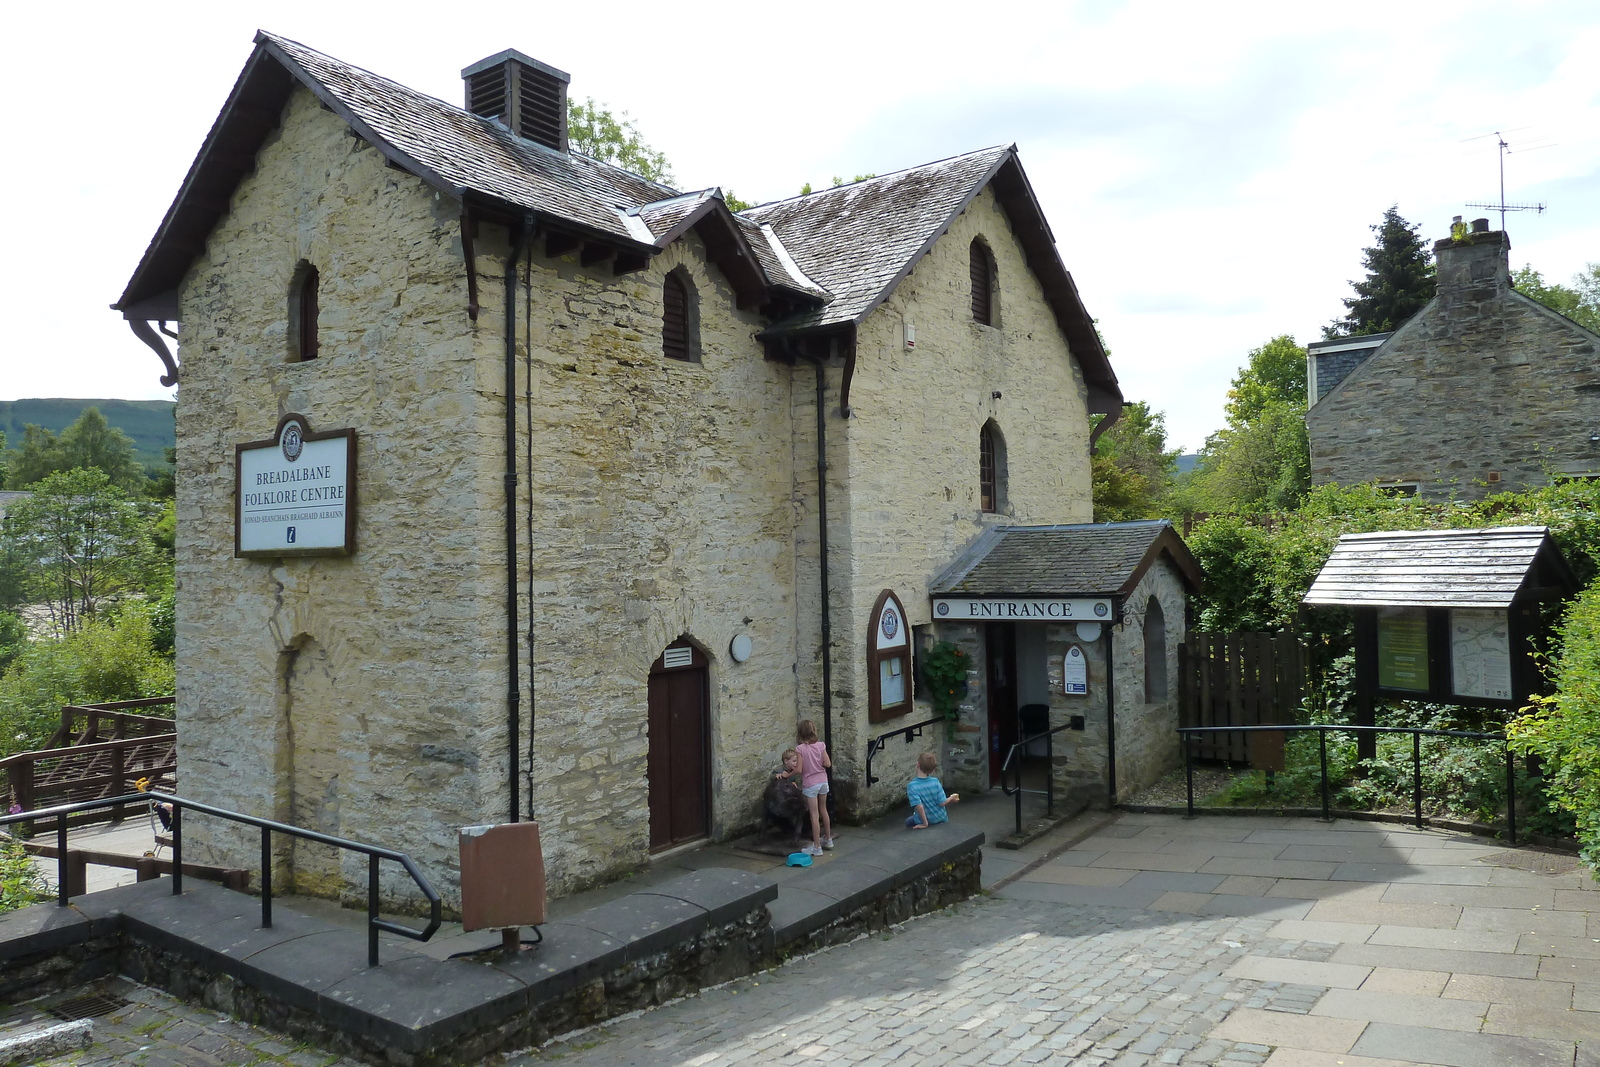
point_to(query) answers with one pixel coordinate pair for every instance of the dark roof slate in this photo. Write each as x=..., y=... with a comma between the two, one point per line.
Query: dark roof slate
x=1089, y=559
x=1439, y=568
x=476, y=153
x=857, y=239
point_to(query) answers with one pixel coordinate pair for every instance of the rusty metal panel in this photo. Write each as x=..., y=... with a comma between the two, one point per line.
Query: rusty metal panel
x=502, y=876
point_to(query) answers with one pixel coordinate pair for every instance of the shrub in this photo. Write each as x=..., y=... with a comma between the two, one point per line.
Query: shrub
x=20, y=881
x=107, y=659
x=1563, y=729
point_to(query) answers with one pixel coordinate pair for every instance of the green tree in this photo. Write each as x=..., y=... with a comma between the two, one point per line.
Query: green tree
x=1260, y=460
x=1399, y=280
x=89, y=442
x=1579, y=302
x=82, y=540
x=1132, y=470
x=593, y=130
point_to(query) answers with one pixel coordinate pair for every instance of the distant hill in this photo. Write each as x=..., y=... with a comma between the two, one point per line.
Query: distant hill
x=1186, y=463
x=148, y=422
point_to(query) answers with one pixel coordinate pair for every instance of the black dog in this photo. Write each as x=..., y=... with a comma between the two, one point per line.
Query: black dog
x=784, y=808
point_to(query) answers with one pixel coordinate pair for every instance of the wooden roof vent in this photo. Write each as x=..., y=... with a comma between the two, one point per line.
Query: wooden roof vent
x=528, y=96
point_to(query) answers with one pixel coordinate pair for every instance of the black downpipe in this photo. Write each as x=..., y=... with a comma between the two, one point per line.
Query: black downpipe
x=527, y=376
x=822, y=552
x=1111, y=706
x=518, y=240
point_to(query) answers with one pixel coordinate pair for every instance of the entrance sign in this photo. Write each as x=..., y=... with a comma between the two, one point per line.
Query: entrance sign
x=294, y=495
x=1403, y=649
x=1480, y=653
x=1008, y=609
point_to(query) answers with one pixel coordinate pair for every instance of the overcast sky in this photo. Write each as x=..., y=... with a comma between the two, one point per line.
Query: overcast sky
x=1210, y=170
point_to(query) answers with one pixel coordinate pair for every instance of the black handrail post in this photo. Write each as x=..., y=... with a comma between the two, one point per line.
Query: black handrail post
x=177, y=849
x=1322, y=738
x=1050, y=775
x=1416, y=775
x=1511, y=793
x=266, y=878
x=61, y=861
x=372, y=910
x=1188, y=769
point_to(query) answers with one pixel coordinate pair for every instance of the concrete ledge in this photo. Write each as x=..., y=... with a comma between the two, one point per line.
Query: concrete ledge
x=309, y=978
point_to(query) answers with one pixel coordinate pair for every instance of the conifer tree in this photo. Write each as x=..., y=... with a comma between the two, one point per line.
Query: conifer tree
x=1399, y=280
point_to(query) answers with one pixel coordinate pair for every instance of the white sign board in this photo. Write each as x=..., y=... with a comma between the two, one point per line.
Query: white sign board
x=295, y=494
x=1075, y=672
x=1008, y=609
x=1480, y=653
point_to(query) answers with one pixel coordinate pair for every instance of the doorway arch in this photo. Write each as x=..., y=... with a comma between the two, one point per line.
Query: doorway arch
x=679, y=762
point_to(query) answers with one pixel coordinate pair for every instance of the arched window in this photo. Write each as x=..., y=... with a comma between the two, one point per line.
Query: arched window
x=991, y=468
x=983, y=282
x=1155, y=653
x=303, y=313
x=680, y=319
x=889, y=686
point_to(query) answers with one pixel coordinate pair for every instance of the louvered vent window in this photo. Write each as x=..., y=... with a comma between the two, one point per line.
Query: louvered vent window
x=988, y=469
x=527, y=96
x=982, y=285
x=675, y=325
x=486, y=93
x=543, y=107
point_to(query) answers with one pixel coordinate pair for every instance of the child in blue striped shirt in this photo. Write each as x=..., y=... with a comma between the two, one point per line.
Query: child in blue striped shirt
x=927, y=795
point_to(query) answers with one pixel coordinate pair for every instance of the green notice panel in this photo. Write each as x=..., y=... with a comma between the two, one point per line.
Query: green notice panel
x=1403, y=649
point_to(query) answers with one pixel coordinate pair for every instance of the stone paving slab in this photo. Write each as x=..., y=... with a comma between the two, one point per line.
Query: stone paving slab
x=1536, y=920
x=1420, y=1044
x=1406, y=1009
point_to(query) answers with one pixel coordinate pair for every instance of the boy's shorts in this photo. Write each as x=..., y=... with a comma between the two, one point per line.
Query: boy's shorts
x=912, y=822
x=818, y=790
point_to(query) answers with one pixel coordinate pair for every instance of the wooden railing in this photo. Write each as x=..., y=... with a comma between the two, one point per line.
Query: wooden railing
x=83, y=724
x=100, y=750
x=1240, y=679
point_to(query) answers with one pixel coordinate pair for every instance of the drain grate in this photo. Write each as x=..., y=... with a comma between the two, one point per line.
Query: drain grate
x=1534, y=860
x=92, y=1006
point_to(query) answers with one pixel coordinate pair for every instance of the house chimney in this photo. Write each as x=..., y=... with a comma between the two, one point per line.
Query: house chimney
x=527, y=96
x=1473, y=266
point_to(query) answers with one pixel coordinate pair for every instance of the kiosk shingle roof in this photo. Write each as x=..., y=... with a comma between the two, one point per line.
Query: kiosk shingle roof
x=1438, y=568
x=1090, y=559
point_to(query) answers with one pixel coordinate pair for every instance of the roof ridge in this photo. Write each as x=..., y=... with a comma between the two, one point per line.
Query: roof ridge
x=879, y=177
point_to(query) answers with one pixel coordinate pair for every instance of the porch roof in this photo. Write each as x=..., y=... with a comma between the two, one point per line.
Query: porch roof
x=1103, y=559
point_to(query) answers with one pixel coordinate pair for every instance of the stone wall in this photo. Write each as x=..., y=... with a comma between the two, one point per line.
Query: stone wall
x=356, y=696
x=910, y=451
x=1481, y=381
x=1147, y=738
x=366, y=696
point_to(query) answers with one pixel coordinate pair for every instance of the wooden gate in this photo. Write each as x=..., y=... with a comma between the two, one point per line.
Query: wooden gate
x=1241, y=679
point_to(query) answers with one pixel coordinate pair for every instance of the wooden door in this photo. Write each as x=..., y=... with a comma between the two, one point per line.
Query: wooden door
x=679, y=764
x=1000, y=644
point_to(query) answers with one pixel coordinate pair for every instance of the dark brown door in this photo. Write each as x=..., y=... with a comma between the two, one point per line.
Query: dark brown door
x=679, y=764
x=1000, y=642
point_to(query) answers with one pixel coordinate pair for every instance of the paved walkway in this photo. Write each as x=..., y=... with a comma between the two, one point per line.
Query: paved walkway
x=1222, y=941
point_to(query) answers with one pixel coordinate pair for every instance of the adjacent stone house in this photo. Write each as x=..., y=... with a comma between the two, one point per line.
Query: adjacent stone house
x=634, y=482
x=1483, y=390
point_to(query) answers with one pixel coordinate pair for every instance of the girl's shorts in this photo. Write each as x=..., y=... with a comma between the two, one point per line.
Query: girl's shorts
x=818, y=790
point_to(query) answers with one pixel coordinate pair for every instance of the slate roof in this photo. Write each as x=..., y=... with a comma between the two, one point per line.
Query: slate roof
x=1441, y=568
x=468, y=151
x=1091, y=559
x=839, y=252
x=856, y=240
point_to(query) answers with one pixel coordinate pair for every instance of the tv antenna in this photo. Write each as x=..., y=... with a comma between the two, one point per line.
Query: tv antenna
x=1502, y=206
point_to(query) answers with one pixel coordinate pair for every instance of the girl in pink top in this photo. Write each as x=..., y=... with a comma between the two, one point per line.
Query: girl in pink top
x=814, y=764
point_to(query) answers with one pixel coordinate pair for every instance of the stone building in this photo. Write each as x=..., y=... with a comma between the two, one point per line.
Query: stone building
x=1483, y=390
x=577, y=575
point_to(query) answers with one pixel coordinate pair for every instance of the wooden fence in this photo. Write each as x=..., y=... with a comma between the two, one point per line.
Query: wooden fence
x=1241, y=679
x=105, y=751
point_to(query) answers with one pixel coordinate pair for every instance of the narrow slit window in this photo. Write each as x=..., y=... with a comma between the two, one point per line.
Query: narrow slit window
x=982, y=285
x=676, y=319
x=303, y=310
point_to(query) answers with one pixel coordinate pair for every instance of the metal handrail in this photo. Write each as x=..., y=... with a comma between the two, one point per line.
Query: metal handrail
x=1049, y=790
x=876, y=745
x=1186, y=733
x=268, y=827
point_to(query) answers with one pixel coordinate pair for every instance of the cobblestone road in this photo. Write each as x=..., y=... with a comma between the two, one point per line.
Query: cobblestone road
x=994, y=981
